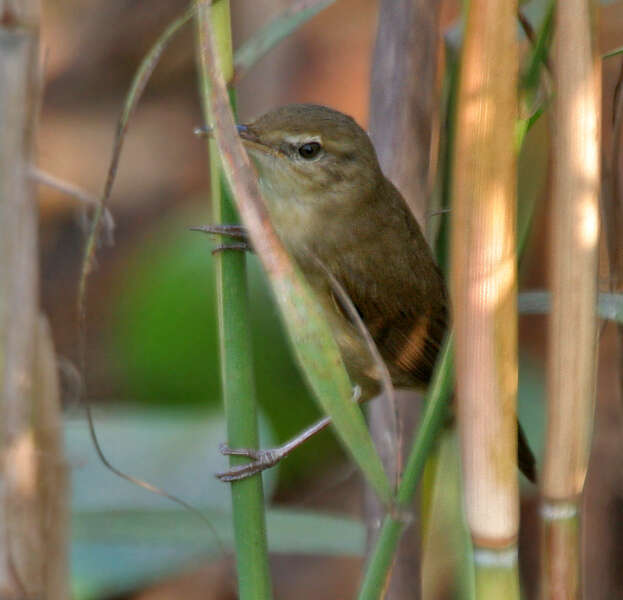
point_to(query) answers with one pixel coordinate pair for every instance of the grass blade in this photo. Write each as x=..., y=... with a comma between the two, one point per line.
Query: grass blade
x=613, y=52
x=134, y=94
x=274, y=32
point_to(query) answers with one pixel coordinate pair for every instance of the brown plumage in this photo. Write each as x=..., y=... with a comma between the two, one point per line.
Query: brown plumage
x=330, y=203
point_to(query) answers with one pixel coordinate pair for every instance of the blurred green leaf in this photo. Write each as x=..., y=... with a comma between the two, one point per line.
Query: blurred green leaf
x=164, y=322
x=175, y=450
x=274, y=32
x=532, y=169
x=117, y=551
x=123, y=536
x=614, y=52
x=321, y=362
x=531, y=406
x=531, y=77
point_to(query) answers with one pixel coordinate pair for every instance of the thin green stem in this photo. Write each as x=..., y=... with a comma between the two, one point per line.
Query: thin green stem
x=378, y=568
x=235, y=343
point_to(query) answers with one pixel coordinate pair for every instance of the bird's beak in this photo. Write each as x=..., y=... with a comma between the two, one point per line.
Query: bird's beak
x=252, y=141
x=247, y=135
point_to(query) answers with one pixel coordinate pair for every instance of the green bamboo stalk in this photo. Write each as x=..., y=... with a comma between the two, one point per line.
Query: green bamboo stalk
x=496, y=574
x=235, y=343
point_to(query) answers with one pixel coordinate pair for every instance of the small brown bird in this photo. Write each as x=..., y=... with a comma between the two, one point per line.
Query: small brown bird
x=331, y=204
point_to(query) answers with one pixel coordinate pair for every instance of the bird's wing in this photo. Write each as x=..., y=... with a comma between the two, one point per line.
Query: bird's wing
x=407, y=333
x=409, y=337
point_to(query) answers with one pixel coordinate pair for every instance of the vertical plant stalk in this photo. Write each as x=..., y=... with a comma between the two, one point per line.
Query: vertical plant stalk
x=613, y=215
x=234, y=334
x=402, y=100
x=574, y=250
x=402, y=95
x=484, y=290
x=21, y=552
x=33, y=523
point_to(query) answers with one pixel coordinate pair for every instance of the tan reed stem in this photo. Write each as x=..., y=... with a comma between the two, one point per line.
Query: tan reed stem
x=573, y=279
x=28, y=567
x=484, y=290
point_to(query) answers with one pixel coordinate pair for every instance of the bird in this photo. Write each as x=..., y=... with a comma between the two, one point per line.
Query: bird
x=342, y=220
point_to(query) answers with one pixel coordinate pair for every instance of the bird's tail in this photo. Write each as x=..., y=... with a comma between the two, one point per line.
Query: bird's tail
x=525, y=457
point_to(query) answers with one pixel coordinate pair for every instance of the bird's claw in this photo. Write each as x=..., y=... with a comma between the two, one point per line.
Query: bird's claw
x=260, y=460
x=237, y=232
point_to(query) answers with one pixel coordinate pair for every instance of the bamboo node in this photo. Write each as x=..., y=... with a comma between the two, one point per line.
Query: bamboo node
x=486, y=557
x=558, y=511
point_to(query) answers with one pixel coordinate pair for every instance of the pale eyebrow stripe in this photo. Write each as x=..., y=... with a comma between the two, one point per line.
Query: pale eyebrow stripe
x=302, y=138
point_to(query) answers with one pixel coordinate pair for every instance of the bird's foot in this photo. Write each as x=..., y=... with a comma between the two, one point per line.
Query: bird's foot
x=261, y=460
x=264, y=459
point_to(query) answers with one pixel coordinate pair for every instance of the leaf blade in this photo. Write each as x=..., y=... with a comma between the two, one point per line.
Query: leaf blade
x=265, y=39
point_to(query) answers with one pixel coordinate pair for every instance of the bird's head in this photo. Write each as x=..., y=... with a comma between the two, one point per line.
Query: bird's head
x=305, y=152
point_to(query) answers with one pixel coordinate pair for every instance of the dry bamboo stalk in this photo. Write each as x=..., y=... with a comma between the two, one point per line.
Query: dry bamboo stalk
x=574, y=254
x=402, y=99
x=560, y=551
x=484, y=276
x=33, y=562
x=402, y=102
x=21, y=560
x=573, y=277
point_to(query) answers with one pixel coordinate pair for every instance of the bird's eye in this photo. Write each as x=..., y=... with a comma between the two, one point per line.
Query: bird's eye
x=310, y=150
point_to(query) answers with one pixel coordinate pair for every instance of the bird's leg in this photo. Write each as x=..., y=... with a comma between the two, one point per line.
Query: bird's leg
x=238, y=232
x=264, y=459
